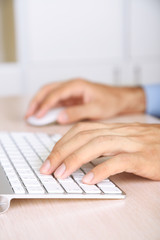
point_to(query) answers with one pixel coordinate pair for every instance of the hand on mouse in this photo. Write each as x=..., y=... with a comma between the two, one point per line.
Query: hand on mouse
x=134, y=148
x=86, y=100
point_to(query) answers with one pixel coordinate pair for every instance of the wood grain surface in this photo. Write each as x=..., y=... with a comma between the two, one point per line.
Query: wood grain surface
x=137, y=217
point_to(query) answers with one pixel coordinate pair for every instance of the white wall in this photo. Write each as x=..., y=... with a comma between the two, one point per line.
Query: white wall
x=145, y=28
x=110, y=41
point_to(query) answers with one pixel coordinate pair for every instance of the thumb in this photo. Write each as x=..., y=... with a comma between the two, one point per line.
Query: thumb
x=77, y=113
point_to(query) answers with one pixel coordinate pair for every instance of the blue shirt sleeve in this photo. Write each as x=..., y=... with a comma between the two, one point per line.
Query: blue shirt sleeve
x=152, y=93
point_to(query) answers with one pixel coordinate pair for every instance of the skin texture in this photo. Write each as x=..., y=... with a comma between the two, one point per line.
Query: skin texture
x=133, y=148
x=86, y=100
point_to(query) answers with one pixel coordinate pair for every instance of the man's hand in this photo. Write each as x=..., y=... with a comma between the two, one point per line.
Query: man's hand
x=133, y=148
x=86, y=100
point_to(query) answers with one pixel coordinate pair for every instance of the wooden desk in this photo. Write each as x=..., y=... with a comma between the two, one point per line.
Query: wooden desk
x=136, y=217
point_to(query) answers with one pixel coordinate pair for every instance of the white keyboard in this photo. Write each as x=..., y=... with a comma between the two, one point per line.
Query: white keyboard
x=21, y=156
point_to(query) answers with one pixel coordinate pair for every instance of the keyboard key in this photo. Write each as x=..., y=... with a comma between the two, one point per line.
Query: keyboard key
x=46, y=140
x=15, y=182
x=35, y=189
x=66, y=180
x=11, y=175
x=24, y=171
x=78, y=174
x=112, y=190
x=48, y=180
x=89, y=188
x=4, y=159
x=71, y=187
x=36, y=166
x=87, y=167
x=18, y=189
x=31, y=182
x=21, y=156
x=56, y=137
x=26, y=177
x=43, y=177
x=53, y=188
x=9, y=171
x=106, y=184
x=7, y=167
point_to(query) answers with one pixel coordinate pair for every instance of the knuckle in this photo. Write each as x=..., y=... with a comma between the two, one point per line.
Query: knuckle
x=153, y=151
x=83, y=134
x=47, y=103
x=78, y=136
x=45, y=106
x=102, y=170
x=74, y=157
x=80, y=126
x=125, y=159
x=105, y=168
x=78, y=81
x=81, y=81
x=99, y=139
x=103, y=138
x=44, y=88
x=86, y=133
x=71, y=114
x=56, y=153
x=129, y=163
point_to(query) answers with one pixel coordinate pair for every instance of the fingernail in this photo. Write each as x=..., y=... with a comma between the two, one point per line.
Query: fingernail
x=60, y=170
x=63, y=117
x=88, y=177
x=45, y=167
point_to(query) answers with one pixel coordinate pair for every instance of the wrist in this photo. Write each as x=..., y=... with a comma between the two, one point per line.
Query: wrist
x=134, y=100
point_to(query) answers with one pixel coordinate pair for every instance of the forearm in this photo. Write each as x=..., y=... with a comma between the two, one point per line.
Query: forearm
x=141, y=99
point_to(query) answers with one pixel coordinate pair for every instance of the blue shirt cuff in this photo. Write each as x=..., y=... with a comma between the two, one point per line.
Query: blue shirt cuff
x=152, y=93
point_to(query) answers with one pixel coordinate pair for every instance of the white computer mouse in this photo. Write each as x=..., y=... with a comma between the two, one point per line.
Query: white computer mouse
x=50, y=117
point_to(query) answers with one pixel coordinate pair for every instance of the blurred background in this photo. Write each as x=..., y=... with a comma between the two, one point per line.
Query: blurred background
x=109, y=41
